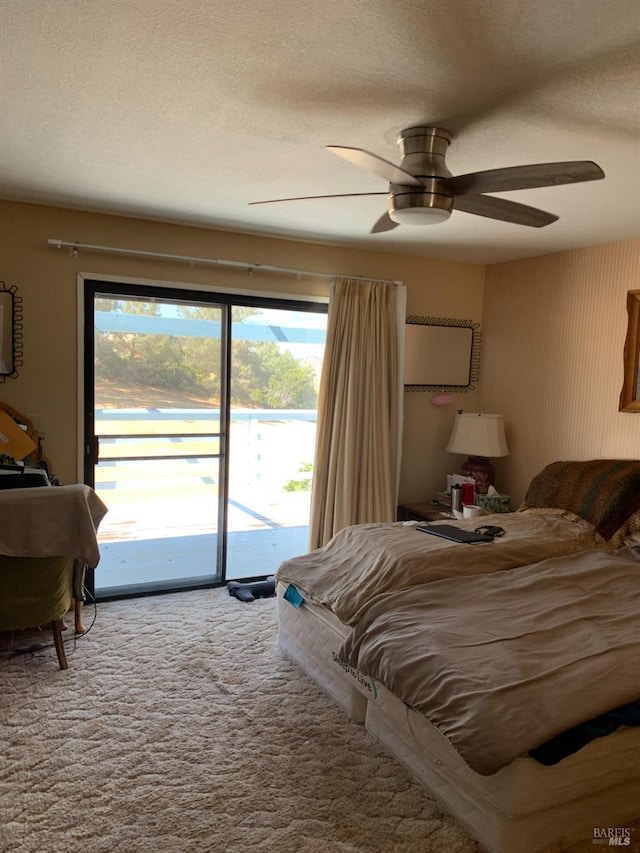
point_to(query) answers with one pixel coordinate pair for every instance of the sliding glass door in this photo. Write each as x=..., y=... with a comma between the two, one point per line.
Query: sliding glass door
x=200, y=419
x=276, y=355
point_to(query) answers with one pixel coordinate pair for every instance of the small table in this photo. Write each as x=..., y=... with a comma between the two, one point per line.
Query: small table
x=427, y=511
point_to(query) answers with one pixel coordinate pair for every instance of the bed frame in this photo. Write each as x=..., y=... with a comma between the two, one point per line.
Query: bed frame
x=525, y=807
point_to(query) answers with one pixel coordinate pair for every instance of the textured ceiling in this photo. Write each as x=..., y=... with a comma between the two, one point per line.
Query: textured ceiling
x=186, y=110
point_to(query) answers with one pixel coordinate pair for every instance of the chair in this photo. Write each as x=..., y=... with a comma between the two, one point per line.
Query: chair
x=37, y=591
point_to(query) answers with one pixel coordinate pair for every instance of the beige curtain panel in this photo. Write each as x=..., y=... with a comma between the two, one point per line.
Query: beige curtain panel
x=356, y=460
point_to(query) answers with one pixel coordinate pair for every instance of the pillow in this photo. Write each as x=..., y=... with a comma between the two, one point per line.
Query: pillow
x=604, y=492
x=629, y=533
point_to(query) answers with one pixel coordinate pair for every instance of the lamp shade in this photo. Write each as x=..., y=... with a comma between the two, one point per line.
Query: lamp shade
x=476, y=434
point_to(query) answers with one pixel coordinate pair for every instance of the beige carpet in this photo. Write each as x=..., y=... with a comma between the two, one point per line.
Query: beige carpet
x=180, y=728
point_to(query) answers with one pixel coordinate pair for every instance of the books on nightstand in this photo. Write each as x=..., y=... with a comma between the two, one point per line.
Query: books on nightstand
x=443, y=499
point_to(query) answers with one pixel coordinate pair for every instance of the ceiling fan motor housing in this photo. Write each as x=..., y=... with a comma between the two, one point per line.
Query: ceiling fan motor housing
x=422, y=150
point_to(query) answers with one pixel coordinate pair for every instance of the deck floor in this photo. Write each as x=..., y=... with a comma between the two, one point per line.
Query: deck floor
x=191, y=559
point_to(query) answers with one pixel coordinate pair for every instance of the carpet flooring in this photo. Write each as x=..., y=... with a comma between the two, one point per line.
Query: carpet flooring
x=179, y=727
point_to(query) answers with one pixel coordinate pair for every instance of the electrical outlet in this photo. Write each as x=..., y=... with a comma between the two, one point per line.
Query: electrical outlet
x=39, y=423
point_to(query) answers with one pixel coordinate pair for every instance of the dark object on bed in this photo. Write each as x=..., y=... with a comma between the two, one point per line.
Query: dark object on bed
x=572, y=740
x=455, y=534
x=604, y=492
x=253, y=590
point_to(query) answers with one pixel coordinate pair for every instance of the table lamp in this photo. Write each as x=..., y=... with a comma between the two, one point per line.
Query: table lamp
x=479, y=436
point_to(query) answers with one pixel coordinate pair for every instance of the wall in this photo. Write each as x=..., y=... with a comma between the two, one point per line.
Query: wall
x=47, y=281
x=554, y=330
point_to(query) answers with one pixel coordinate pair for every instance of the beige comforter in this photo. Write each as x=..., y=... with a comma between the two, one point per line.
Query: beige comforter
x=367, y=560
x=503, y=662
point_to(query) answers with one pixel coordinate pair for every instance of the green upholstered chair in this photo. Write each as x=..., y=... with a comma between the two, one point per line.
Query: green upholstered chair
x=36, y=591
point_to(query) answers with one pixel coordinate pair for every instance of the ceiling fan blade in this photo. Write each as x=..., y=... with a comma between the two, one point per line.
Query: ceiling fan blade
x=525, y=177
x=385, y=223
x=506, y=211
x=378, y=165
x=312, y=197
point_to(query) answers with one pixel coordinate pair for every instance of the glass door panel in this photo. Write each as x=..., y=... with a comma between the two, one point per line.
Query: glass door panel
x=276, y=357
x=157, y=422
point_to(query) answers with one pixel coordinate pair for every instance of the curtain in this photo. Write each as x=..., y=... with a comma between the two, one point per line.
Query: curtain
x=358, y=435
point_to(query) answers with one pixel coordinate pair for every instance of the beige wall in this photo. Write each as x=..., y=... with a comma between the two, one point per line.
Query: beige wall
x=554, y=330
x=47, y=281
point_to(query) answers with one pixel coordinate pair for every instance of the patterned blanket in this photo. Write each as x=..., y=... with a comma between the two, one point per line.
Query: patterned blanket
x=604, y=492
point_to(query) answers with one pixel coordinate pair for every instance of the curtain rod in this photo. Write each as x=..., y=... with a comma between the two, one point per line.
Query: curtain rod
x=74, y=247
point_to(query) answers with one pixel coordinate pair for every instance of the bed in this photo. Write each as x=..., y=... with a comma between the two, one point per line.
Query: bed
x=326, y=606
x=569, y=507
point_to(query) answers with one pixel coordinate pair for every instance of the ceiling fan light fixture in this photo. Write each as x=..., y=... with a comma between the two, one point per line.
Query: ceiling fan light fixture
x=419, y=215
x=425, y=208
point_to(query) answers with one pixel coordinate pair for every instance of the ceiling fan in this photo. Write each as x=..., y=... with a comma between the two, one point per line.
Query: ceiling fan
x=423, y=191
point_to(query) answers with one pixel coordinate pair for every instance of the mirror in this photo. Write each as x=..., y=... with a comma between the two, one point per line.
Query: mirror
x=10, y=331
x=437, y=355
x=440, y=354
x=630, y=394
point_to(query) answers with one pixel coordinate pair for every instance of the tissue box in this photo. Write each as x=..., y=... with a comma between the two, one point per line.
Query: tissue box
x=494, y=503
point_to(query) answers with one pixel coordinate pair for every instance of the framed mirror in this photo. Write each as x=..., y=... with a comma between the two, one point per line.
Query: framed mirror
x=10, y=331
x=441, y=354
x=630, y=394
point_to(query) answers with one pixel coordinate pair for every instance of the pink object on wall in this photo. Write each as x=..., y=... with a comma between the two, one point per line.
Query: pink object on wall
x=441, y=400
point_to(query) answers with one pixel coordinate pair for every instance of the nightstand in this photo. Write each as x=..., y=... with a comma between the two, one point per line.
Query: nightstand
x=427, y=511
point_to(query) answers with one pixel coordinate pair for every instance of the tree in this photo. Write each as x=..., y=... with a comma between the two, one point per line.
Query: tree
x=262, y=374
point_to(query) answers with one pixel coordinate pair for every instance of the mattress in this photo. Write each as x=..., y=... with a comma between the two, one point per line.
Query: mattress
x=311, y=636
x=525, y=806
